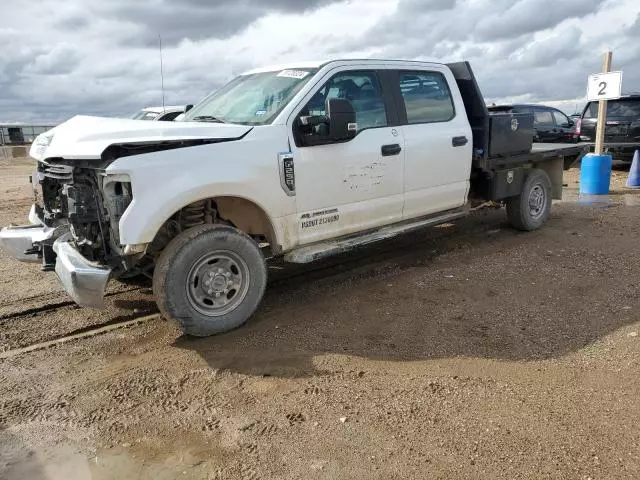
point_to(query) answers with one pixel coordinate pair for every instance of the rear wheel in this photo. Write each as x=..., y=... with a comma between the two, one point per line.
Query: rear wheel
x=530, y=209
x=210, y=279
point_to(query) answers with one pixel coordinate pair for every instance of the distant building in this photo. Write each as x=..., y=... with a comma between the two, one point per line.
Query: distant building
x=21, y=134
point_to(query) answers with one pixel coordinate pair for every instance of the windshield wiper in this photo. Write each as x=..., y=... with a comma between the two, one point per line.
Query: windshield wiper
x=207, y=118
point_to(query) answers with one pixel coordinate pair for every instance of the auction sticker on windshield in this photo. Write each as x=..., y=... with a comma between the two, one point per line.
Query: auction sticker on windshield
x=293, y=74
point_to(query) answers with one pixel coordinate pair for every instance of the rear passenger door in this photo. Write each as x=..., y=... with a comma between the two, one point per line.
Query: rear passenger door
x=437, y=139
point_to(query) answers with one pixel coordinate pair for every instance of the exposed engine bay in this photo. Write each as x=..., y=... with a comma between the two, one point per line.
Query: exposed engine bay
x=78, y=198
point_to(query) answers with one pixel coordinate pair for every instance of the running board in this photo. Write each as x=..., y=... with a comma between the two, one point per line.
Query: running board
x=326, y=249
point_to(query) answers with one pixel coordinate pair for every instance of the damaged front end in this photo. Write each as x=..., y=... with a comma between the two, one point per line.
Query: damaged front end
x=75, y=221
x=74, y=227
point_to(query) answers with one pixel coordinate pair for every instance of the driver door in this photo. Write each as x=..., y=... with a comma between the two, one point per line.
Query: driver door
x=349, y=186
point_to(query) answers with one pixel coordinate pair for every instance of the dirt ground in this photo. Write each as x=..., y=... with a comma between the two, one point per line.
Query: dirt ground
x=467, y=351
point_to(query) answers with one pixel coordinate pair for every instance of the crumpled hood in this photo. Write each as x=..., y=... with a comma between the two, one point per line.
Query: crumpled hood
x=85, y=137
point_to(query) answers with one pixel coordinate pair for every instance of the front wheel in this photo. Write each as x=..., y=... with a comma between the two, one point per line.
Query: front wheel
x=210, y=279
x=531, y=209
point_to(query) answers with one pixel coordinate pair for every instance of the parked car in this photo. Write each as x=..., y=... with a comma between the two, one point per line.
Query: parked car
x=550, y=124
x=622, y=131
x=300, y=163
x=161, y=114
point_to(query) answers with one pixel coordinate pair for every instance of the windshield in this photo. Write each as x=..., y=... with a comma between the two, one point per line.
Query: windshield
x=616, y=108
x=254, y=99
x=145, y=115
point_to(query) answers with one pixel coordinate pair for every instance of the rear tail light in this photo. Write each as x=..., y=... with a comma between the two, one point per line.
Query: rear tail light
x=578, y=126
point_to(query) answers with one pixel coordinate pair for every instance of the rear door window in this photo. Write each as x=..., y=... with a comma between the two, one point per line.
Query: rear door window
x=426, y=96
x=542, y=117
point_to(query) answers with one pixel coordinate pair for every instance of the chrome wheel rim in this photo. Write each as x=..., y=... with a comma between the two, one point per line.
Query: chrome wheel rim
x=217, y=283
x=537, y=201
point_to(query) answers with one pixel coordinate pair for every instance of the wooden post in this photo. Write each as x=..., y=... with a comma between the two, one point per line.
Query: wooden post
x=602, y=108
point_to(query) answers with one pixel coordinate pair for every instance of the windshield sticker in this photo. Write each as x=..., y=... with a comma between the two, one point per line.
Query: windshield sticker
x=299, y=74
x=261, y=112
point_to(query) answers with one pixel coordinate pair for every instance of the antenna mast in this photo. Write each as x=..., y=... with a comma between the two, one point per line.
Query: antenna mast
x=161, y=72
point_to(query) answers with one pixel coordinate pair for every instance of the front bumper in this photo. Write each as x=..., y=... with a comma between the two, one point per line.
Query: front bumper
x=84, y=281
x=621, y=151
x=19, y=241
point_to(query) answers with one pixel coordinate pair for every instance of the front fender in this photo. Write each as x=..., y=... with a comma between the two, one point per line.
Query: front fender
x=166, y=181
x=143, y=218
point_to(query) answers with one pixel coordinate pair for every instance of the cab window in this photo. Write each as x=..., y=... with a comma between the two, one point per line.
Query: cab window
x=362, y=89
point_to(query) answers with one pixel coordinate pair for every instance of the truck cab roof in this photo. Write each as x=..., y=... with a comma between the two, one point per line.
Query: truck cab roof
x=317, y=64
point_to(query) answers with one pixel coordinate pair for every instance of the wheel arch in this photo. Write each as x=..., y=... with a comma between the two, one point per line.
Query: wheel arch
x=243, y=213
x=248, y=216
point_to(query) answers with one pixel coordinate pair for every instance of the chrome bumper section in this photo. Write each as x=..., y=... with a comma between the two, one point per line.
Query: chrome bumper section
x=19, y=241
x=84, y=281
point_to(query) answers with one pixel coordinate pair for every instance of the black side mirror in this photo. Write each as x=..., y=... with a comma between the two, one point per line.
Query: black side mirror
x=187, y=108
x=342, y=119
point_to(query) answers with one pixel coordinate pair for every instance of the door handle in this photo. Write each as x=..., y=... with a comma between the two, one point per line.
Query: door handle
x=459, y=141
x=392, y=149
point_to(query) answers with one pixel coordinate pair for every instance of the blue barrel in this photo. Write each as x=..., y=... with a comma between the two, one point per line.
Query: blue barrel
x=595, y=174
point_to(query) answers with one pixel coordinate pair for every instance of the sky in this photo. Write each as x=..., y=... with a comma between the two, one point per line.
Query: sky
x=100, y=57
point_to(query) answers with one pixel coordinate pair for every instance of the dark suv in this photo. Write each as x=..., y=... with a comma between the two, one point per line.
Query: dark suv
x=550, y=124
x=622, y=131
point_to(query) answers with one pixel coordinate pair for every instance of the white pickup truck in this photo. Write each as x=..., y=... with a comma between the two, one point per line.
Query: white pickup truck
x=299, y=161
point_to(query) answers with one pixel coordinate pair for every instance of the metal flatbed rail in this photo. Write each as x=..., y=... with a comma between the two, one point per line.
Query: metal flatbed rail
x=539, y=152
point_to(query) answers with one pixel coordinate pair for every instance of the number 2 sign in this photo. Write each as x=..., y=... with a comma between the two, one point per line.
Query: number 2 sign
x=604, y=86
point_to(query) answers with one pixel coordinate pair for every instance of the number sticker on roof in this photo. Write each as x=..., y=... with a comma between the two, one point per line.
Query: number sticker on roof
x=299, y=74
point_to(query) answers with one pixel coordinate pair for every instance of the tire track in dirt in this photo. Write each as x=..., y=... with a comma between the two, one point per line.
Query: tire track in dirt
x=47, y=321
x=62, y=298
x=41, y=296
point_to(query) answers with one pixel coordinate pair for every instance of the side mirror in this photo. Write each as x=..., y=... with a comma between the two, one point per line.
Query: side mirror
x=342, y=119
x=187, y=108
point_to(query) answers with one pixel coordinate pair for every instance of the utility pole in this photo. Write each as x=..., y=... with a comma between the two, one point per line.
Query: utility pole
x=602, y=107
x=161, y=71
